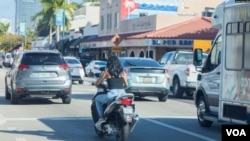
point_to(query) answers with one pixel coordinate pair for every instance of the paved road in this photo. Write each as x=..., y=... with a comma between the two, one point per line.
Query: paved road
x=50, y=120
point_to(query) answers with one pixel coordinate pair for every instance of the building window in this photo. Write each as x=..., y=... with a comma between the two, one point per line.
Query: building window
x=116, y=20
x=208, y=12
x=102, y=22
x=141, y=54
x=132, y=54
x=110, y=22
x=107, y=25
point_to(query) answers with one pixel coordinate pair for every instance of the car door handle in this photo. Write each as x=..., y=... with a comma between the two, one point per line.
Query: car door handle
x=218, y=73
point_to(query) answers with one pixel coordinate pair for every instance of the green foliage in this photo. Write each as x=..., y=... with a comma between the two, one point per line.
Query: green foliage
x=48, y=14
x=4, y=28
x=9, y=41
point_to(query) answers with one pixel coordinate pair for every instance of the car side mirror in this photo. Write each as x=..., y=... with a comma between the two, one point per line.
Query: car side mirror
x=198, y=56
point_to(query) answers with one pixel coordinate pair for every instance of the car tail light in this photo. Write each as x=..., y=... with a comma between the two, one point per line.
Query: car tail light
x=68, y=89
x=80, y=67
x=166, y=71
x=126, y=101
x=19, y=90
x=23, y=67
x=187, y=71
x=64, y=66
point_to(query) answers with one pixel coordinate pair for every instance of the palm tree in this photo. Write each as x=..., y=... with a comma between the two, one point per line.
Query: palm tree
x=48, y=13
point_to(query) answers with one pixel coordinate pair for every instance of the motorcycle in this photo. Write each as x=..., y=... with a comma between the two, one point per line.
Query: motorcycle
x=119, y=114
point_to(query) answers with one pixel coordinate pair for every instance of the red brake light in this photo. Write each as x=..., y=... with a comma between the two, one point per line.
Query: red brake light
x=64, y=66
x=19, y=90
x=187, y=71
x=68, y=89
x=126, y=101
x=166, y=71
x=80, y=67
x=23, y=67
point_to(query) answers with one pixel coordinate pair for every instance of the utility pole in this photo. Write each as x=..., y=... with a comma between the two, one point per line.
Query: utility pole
x=63, y=26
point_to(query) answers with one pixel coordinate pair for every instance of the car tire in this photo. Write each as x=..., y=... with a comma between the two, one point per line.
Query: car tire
x=14, y=99
x=81, y=82
x=7, y=94
x=202, y=109
x=66, y=99
x=163, y=97
x=177, y=89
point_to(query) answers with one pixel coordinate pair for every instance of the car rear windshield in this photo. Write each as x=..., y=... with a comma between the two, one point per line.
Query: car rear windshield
x=42, y=59
x=71, y=61
x=184, y=58
x=139, y=62
x=101, y=63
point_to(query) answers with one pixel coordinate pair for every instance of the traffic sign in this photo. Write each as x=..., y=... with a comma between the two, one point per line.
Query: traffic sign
x=27, y=47
x=116, y=39
x=59, y=17
x=116, y=49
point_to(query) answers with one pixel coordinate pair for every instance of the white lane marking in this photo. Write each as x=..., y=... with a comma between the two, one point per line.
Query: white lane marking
x=2, y=119
x=11, y=128
x=21, y=139
x=180, y=130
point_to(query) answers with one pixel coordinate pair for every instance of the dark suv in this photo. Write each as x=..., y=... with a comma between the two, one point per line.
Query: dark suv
x=38, y=73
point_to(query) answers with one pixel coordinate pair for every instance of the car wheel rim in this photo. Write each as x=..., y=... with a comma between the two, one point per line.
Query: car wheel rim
x=175, y=87
x=201, y=110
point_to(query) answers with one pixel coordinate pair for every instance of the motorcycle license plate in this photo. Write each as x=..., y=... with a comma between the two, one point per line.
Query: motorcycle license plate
x=128, y=110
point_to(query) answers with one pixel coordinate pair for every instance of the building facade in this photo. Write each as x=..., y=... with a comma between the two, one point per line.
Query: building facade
x=24, y=10
x=128, y=17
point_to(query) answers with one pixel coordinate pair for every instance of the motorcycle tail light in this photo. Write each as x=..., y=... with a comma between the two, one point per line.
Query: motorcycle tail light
x=126, y=101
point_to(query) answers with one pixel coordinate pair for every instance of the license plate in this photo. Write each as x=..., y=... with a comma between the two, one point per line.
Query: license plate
x=147, y=80
x=127, y=110
x=43, y=75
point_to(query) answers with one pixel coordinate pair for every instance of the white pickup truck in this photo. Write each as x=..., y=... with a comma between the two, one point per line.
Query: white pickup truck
x=182, y=72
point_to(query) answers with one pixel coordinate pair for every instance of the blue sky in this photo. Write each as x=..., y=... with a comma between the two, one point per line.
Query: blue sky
x=7, y=10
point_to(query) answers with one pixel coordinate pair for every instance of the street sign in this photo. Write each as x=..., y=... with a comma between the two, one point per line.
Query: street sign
x=116, y=49
x=59, y=17
x=27, y=47
x=116, y=39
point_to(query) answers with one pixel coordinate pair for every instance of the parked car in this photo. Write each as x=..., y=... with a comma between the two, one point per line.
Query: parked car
x=2, y=57
x=84, y=63
x=76, y=69
x=146, y=77
x=92, y=68
x=38, y=73
x=182, y=72
x=8, y=60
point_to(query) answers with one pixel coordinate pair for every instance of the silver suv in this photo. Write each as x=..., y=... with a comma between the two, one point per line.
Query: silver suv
x=38, y=73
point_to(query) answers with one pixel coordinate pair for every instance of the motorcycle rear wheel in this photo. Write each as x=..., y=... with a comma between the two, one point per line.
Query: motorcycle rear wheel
x=123, y=133
x=99, y=133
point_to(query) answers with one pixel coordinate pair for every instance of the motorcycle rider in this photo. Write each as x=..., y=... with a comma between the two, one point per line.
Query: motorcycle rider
x=116, y=80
